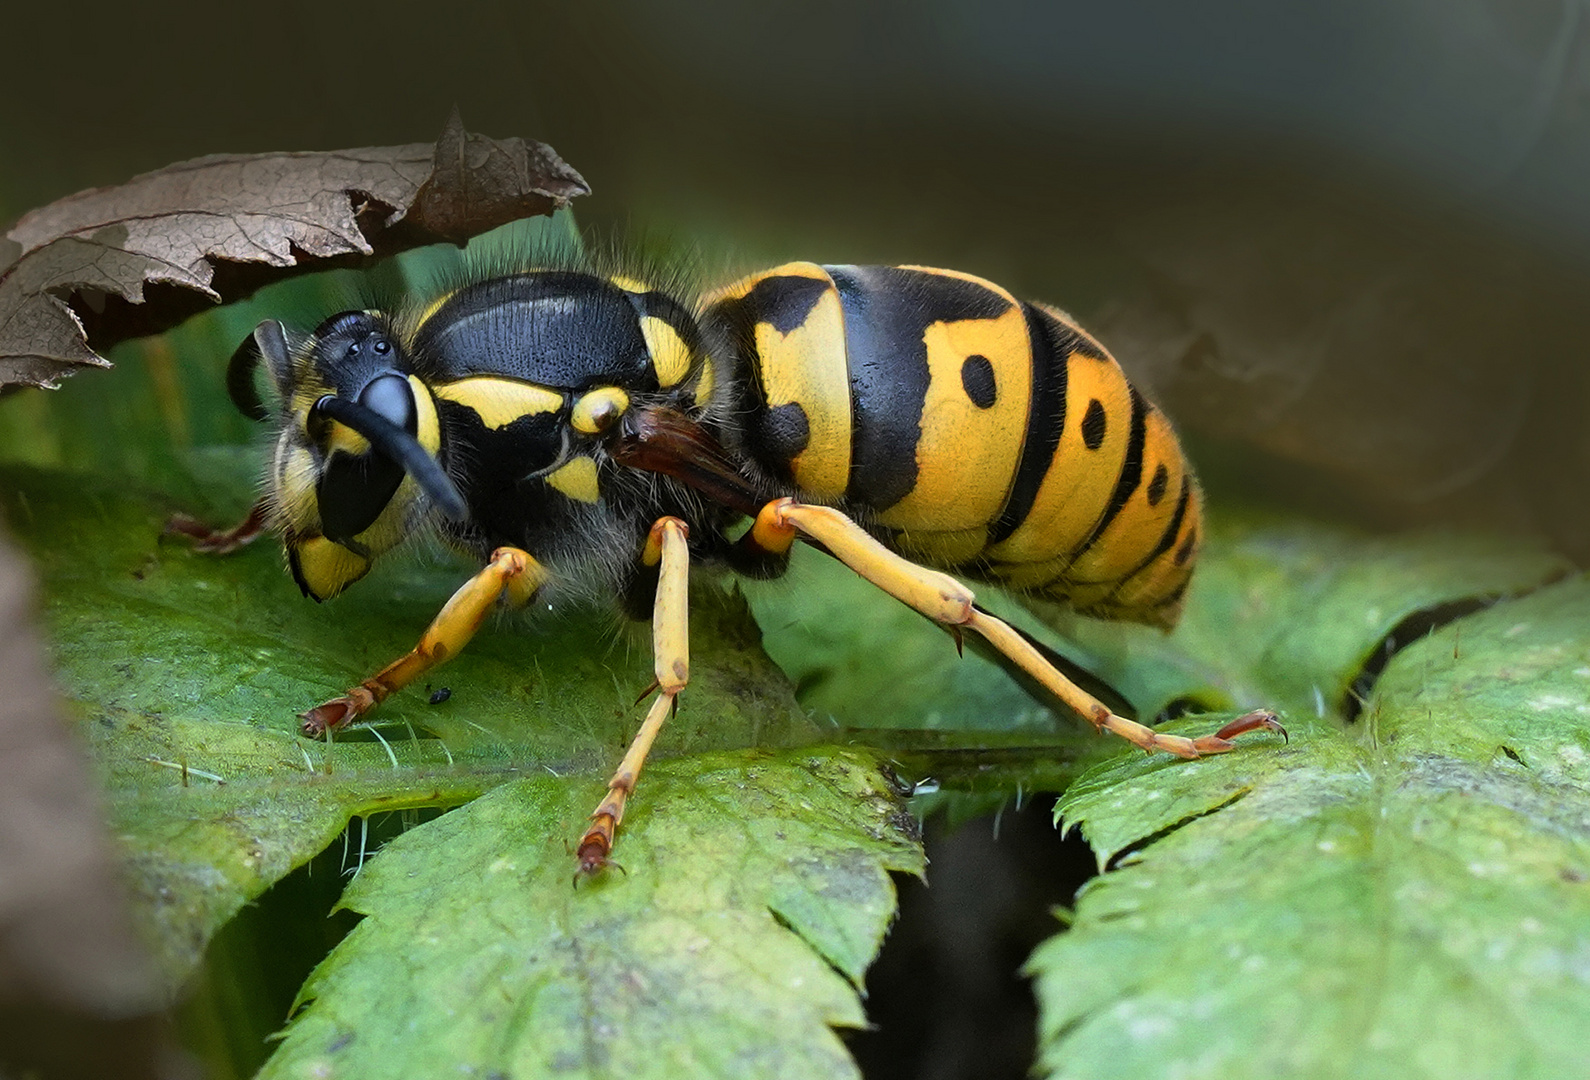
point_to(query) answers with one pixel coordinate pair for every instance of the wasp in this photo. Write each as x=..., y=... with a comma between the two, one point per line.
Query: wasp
x=579, y=431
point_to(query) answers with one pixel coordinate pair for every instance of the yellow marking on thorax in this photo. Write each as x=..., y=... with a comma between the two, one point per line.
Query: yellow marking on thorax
x=966, y=455
x=577, y=479
x=959, y=275
x=432, y=308
x=707, y=381
x=808, y=367
x=596, y=411
x=499, y=402
x=670, y=357
x=629, y=284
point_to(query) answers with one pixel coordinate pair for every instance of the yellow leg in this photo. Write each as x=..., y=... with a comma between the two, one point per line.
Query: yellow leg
x=942, y=598
x=510, y=571
x=670, y=637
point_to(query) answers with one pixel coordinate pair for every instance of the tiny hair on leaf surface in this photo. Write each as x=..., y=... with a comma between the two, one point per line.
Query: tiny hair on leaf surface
x=1395, y=897
x=758, y=891
x=187, y=672
x=75, y=275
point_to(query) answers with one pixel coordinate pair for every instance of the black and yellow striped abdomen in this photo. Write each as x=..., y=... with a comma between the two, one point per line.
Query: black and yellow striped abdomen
x=978, y=432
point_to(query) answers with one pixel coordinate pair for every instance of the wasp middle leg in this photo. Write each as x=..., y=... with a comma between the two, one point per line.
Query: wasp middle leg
x=666, y=548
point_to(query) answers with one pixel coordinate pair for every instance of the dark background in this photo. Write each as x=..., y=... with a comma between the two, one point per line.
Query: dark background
x=1345, y=244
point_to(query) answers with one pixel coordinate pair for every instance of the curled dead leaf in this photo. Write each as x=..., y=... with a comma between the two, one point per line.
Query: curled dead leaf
x=112, y=263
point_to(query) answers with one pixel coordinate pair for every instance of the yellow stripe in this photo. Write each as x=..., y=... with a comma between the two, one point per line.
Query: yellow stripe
x=344, y=438
x=429, y=432
x=1030, y=575
x=706, y=383
x=737, y=289
x=967, y=456
x=1078, y=486
x=1147, y=589
x=499, y=402
x=431, y=309
x=807, y=367
x=629, y=284
x=577, y=480
x=959, y=275
x=669, y=356
x=294, y=502
x=1138, y=527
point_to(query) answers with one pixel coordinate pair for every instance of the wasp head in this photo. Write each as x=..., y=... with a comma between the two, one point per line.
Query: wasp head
x=354, y=469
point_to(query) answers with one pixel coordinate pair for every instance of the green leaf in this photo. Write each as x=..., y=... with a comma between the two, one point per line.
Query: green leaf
x=189, y=671
x=1284, y=612
x=757, y=893
x=1399, y=897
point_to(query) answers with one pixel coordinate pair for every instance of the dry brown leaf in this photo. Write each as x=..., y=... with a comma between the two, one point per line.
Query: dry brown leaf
x=112, y=263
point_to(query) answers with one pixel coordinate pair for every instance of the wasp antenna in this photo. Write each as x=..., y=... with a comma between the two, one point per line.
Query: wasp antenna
x=402, y=448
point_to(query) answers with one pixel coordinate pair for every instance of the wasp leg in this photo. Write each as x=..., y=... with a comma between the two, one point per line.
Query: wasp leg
x=942, y=598
x=670, y=636
x=213, y=541
x=510, y=571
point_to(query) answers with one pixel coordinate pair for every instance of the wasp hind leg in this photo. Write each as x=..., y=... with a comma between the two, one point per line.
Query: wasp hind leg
x=945, y=600
x=510, y=572
x=668, y=550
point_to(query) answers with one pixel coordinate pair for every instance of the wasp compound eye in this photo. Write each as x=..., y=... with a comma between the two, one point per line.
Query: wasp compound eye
x=267, y=344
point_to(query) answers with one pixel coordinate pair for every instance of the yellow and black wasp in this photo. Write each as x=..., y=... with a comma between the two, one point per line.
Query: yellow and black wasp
x=578, y=430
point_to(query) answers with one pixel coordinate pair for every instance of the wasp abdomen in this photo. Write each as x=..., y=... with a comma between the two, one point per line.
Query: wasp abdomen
x=980, y=432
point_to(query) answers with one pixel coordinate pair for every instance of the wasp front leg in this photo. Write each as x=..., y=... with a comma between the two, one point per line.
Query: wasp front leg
x=213, y=541
x=945, y=600
x=510, y=572
x=666, y=548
